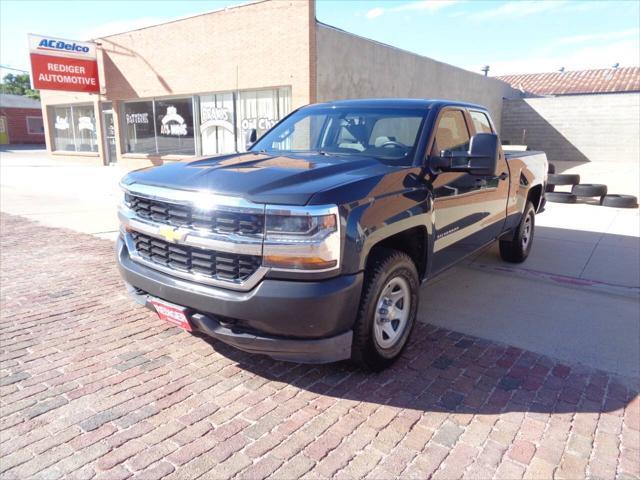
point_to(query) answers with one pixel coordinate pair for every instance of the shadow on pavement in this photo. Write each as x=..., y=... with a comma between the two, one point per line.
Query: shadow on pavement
x=586, y=330
x=445, y=371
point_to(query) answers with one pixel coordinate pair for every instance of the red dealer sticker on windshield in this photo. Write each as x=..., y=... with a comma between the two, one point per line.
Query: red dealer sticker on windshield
x=62, y=73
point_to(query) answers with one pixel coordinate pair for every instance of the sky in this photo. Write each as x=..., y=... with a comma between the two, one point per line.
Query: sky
x=511, y=37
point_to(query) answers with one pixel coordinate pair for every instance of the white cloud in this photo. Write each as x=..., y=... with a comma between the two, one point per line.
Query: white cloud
x=375, y=12
x=632, y=32
x=602, y=55
x=416, y=6
x=515, y=10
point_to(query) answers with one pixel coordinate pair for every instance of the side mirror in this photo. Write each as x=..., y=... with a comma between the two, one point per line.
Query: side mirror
x=481, y=159
x=483, y=154
x=250, y=138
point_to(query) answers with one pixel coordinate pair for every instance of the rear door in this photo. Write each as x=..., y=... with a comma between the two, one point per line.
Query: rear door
x=469, y=209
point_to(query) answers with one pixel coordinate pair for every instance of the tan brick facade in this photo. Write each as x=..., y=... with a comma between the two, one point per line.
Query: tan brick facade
x=259, y=45
x=268, y=44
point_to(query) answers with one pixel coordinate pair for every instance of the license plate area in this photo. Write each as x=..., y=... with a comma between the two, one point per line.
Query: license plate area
x=171, y=313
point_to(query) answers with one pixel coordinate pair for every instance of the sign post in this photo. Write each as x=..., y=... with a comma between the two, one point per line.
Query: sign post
x=59, y=64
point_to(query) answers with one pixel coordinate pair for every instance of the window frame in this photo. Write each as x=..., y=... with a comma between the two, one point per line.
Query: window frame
x=195, y=109
x=51, y=116
x=31, y=117
x=432, y=141
x=486, y=115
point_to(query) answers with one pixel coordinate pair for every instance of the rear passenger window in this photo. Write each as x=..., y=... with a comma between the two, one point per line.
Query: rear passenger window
x=452, y=134
x=481, y=122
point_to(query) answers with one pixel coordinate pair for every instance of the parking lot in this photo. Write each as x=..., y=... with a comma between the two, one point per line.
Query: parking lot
x=93, y=386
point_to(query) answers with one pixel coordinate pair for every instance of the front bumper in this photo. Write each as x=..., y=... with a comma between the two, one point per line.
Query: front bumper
x=298, y=321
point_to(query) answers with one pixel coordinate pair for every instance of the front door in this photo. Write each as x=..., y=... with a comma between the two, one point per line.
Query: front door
x=469, y=209
x=109, y=134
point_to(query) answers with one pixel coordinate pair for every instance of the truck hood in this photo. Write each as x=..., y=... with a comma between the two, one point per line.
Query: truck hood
x=259, y=177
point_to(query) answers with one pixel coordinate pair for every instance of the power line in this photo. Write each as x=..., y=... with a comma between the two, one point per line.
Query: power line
x=4, y=67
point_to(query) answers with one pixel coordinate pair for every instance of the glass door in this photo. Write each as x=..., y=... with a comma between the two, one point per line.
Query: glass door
x=109, y=134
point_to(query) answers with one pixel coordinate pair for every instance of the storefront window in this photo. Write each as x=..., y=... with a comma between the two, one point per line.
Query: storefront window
x=74, y=128
x=174, y=126
x=84, y=121
x=222, y=121
x=217, y=129
x=63, y=129
x=139, y=127
x=260, y=110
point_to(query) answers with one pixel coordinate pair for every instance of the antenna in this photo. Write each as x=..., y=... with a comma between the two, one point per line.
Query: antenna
x=561, y=69
x=615, y=65
x=485, y=69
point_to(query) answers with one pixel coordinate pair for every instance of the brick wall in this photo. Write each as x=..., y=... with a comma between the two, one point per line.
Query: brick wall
x=259, y=45
x=17, y=125
x=577, y=128
x=263, y=44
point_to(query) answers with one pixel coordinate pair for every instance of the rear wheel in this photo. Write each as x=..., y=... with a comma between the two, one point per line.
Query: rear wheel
x=516, y=249
x=387, y=309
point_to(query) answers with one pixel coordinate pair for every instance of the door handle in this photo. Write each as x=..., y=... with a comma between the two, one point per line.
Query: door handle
x=503, y=176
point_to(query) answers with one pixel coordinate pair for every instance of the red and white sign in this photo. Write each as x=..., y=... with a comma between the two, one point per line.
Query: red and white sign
x=170, y=313
x=58, y=64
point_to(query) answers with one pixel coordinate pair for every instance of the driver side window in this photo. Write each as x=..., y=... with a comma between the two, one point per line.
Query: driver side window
x=452, y=133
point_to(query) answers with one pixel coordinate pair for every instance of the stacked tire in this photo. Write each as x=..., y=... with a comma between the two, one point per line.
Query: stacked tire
x=583, y=190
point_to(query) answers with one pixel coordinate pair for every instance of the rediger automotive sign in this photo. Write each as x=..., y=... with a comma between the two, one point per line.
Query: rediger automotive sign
x=59, y=64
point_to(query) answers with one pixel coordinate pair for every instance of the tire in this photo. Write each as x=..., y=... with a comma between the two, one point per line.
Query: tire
x=561, y=197
x=589, y=190
x=516, y=249
x=549, y=188
x=619, y=201
x=563, y=179
x=552, y=168
x=378, y=343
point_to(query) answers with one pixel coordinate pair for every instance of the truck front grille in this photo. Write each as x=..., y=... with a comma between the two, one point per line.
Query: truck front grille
x=217, y=221
x=187, y=259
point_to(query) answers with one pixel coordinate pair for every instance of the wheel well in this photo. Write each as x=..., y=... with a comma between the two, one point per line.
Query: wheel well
x=412, y=242
x=535, y=195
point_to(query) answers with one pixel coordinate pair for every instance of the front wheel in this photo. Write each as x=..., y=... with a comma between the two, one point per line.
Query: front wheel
x=388, y=308
x=517, y=248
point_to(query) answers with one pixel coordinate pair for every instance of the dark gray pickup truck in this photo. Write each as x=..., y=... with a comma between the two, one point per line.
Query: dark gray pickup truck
x=312, y=245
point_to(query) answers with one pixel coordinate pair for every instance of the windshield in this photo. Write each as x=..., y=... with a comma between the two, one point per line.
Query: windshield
x=384, y=133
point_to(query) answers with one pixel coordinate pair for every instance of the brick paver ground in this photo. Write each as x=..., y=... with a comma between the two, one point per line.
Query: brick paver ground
x=93, y=386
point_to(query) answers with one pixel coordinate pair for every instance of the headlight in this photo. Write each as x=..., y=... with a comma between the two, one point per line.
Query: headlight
x=299, y=238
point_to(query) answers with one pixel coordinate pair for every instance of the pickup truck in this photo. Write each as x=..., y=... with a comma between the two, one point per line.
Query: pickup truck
x=311, y=246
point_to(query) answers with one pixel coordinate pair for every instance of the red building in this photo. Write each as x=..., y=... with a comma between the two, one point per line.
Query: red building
x=20, y=120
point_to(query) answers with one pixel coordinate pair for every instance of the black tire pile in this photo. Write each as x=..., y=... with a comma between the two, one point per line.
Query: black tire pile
x=584, y=190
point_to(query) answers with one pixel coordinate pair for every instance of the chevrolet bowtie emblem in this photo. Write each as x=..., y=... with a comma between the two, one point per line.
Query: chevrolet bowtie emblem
x=171, y=234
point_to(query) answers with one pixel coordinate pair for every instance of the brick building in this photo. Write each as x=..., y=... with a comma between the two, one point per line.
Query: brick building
x=20, y=120
x=197, y=85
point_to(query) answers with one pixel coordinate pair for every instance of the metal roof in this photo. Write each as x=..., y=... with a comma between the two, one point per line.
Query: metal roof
x=18, y=101
x=607, y=80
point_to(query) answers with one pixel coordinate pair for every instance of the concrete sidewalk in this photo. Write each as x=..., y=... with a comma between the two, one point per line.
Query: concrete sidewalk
x=60, y=193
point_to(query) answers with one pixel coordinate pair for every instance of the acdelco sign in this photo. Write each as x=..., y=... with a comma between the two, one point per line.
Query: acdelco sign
x=59, y=64
x=61, y=47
